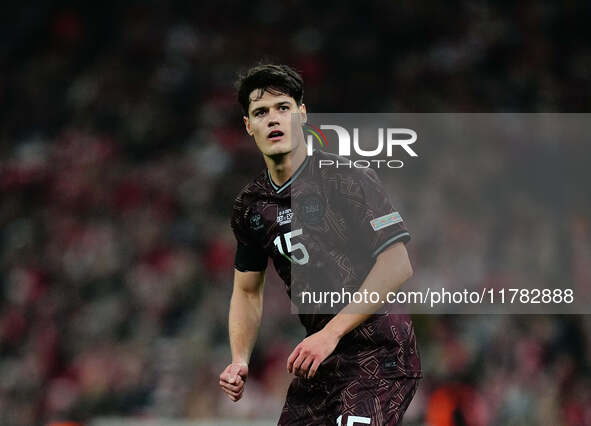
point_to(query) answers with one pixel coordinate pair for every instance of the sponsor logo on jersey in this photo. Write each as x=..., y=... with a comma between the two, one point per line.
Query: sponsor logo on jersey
x=384, y=221
x=284, y=216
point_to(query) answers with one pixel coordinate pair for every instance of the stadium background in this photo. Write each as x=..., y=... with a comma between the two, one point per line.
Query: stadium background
x=122, y=148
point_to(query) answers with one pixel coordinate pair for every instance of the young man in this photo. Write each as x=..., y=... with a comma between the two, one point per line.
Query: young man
x=355, y=367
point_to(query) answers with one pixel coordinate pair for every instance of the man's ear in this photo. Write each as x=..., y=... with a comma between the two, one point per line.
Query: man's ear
x=303, y=112
x=247, y=125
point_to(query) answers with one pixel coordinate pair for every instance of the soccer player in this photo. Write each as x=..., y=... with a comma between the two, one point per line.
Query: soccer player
x=355, y=366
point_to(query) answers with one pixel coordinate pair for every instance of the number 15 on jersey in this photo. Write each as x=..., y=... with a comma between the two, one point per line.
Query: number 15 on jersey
x=296, y=252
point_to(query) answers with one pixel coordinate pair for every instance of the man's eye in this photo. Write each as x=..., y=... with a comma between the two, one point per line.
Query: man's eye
x=284, y=107
x=259, y=113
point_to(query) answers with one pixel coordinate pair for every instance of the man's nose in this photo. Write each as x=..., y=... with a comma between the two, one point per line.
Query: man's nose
x=273, y=118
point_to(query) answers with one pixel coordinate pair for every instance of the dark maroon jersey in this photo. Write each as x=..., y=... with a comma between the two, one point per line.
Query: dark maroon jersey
x=323, y=229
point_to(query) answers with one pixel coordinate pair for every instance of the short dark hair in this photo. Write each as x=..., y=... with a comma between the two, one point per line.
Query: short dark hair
x=276, y=79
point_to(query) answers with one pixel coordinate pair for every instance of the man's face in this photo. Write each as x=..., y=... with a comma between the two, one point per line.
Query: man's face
x=269, y=121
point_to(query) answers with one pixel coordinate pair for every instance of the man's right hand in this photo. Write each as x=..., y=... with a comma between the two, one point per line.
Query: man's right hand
x=233, y=379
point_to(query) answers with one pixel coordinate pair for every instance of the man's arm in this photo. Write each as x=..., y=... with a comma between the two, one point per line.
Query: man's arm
x=391, y=269
x=246, y=309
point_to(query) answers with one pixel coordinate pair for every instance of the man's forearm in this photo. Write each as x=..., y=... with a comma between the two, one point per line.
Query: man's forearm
x=246, y=309
x=391, y=269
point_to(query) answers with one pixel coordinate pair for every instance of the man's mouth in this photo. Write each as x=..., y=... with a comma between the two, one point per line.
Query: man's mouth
x=275, y=135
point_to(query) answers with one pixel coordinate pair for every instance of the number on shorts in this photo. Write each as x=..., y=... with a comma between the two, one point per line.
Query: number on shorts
x=354, y=419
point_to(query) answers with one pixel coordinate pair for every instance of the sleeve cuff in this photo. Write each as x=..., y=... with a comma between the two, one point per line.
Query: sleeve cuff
x=403, y=237
x=246, y=269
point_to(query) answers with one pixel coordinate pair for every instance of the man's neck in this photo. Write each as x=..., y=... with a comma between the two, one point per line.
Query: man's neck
x=282, y=168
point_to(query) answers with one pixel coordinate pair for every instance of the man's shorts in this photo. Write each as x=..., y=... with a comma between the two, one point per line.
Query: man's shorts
x=375, y=402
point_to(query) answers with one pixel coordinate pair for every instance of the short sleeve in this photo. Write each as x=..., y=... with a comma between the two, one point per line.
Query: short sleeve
x=380, y=224
x=250, y=256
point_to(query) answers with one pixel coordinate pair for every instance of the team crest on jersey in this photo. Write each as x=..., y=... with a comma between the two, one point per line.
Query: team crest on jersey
x=284, y=216
x=311, y=209
x=256, y=222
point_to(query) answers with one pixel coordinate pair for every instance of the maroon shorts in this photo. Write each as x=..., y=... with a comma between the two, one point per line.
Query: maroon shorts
x=375, y=402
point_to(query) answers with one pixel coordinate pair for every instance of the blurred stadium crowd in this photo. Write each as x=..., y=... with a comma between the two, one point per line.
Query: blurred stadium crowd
x=121, y=150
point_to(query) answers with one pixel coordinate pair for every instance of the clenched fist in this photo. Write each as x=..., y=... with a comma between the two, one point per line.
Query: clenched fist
x=233, y=379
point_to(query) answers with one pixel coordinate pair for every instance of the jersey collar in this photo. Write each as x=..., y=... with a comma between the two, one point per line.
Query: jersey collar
x=293, y=177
